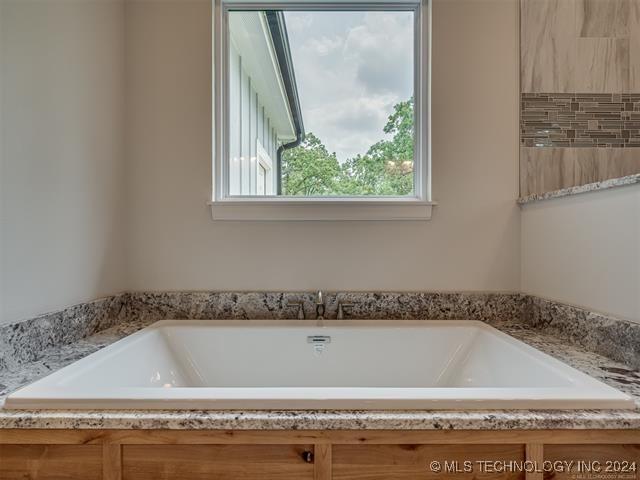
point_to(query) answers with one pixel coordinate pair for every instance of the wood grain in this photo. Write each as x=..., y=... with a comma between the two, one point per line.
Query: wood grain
x=579, y=46
x=584, y=456
x=248, y=455
x=273, y=437
x=323, y=462
x=634, y=46
x=387, y=462
x=50, y=462
x=603, y=18
x=547, y=169
x=535, y=454
x=222, y=462
x=547, y=46
x=601, y=65
x=111, y=461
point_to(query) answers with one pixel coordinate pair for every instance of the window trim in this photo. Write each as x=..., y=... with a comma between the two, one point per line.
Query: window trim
x=263, y=159
x=265, y=208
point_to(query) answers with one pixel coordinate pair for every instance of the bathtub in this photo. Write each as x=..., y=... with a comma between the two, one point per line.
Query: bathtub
x=301, y=365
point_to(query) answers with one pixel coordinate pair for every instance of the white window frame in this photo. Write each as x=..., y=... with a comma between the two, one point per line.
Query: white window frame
x=281, y=208
x=264, y=161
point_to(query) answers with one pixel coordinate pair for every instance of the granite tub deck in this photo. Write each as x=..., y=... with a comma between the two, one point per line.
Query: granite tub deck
x=586, y=188
x=615, y=374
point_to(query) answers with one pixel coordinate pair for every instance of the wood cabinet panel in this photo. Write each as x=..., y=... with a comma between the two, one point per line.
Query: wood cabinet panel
x=582, y=461
x=391, y=462
x=216, y=462
x=50, y=462
x=343, y=455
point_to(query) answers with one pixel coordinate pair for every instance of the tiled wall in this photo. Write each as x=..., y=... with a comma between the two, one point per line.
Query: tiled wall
x=580, y=120
x=580, y=100
x=588, y=46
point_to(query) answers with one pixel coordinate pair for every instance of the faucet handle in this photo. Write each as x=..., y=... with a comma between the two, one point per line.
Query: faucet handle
x=299, y=306
x=341, y=308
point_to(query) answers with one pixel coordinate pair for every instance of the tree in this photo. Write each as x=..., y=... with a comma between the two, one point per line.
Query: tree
x=309, y=169
x=386, y=168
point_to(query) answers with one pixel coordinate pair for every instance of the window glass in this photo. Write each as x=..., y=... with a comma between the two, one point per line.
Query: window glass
x=320, y=103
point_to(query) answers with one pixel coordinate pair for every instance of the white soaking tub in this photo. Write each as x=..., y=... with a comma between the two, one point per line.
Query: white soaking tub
x=298, y=365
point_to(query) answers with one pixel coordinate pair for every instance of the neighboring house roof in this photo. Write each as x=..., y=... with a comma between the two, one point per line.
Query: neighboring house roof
x=261, y=40
x=280, y=39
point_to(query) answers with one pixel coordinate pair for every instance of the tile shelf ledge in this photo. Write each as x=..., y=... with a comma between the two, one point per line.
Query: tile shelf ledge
x=588, y=187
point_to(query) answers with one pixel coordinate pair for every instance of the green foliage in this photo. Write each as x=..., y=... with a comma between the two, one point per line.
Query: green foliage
x=309, y=169
x=386, y=168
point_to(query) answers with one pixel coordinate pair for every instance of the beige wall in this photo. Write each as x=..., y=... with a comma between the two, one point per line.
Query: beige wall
x=65, y=192
x=62, y=153
x=472, y=242
x=585, y=250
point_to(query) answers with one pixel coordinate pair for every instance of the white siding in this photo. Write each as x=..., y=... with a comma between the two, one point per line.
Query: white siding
x=249, y=123
x=234, y=123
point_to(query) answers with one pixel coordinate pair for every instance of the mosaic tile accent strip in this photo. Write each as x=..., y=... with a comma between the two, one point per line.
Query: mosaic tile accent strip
x=580, y=120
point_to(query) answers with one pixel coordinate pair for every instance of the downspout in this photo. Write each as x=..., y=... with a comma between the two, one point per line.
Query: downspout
x=281, y=149
x=280, y=39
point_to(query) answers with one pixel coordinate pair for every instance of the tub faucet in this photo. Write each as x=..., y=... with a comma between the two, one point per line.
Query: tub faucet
x=320, y=308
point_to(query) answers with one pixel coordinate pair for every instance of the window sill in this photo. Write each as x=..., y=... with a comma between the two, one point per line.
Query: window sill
x=321, y=210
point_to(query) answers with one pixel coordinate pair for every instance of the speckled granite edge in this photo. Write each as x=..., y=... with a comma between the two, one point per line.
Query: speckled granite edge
x=488, y=307
x=599, y=367
x=612, y=337
x=325, y=420
x=24, y=341
x=589, y=187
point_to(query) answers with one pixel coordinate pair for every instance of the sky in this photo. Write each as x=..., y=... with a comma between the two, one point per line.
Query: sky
x=351, y=68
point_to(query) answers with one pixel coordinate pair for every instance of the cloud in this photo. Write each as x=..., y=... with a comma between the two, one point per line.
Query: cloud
x=351, y=68
x=351, y=126
x=382, y=49
x=298, y=21
x=323, y=46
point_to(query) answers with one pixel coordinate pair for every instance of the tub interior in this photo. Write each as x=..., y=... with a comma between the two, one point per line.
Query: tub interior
x=280, y=356
x=373, y=364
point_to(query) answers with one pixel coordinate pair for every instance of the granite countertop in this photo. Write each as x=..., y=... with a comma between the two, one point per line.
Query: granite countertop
x=610, y=372
x=589, y=187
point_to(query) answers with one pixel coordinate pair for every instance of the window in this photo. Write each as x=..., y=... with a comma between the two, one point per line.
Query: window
x=321, y=111
x=266, y=179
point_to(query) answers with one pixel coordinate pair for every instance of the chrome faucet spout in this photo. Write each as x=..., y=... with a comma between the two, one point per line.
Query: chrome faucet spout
x=320, y=308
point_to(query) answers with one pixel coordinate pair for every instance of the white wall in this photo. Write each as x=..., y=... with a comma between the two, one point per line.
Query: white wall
x=472, y=243
x=64, y=131
x=585, y=250
x=79, y=220
x=2, y=167
x=62, y=153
